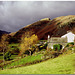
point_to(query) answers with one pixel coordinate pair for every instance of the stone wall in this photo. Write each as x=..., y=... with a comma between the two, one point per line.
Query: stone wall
x=57, y=40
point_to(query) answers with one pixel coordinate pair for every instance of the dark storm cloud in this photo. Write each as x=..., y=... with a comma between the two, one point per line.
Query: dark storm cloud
x=16, y=15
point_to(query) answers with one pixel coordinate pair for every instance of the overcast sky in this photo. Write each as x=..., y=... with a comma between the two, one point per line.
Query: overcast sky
x=16, y=15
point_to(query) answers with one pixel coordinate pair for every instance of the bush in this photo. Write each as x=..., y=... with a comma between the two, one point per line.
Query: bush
x=40, y=47
x=57, y=47
x=15, y=50
x=13, y=40
x=27, y=52
x=51, y=54
x=68, y=44
x=43, y=49
x=7, y=56
x=34, y=48
x=47, y=53
x=45, y=45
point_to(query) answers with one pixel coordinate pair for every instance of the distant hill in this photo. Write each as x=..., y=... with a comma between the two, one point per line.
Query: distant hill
x=42, y=28
x=3, y=32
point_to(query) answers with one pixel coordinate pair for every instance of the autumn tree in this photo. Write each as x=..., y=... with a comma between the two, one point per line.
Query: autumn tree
x=27, y=41
x=3, y=44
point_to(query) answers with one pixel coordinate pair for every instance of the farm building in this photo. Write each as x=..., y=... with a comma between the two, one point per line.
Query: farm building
x=63, y=40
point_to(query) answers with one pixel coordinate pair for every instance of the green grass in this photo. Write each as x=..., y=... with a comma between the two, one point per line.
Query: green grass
x=24, y=60
x=12, y=56
x=14, y=44
x=64, y=64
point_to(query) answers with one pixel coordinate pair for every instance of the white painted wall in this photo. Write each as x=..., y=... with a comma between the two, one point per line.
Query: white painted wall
x=70, y=37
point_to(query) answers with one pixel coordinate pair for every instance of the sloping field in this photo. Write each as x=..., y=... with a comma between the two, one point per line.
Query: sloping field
x=64, y=64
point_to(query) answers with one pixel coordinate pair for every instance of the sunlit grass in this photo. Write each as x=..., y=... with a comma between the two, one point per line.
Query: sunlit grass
x=65, y=20
x=23, y=61
x=60, y=65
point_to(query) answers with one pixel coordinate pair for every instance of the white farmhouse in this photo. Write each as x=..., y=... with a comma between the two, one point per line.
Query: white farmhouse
x=63, y=40
x=70, y=36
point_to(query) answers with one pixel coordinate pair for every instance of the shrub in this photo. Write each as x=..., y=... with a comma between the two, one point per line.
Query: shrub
x=33, y=48
x=27, y=52
x=47, y=53
x=15, y=50
x=68, y=44
x=45, y=45
x=13, y=40
x=7, y=56
x=41, y=46
x=57, y=47
x=51, y=54
x=43, y=49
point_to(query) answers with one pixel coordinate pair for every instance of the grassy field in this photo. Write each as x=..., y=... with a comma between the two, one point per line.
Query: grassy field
x=64, y=64
x=10, y=45
x=23, y=61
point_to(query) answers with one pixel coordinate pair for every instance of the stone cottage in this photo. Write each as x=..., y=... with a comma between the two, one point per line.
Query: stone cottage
x=63, y=40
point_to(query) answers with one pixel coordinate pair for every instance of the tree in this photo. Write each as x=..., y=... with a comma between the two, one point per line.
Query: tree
x=57, y=47
x=4, y=44
x=27, y=41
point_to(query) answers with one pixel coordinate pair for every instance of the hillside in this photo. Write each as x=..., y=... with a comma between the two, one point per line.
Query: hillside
x=3, y=32
x=56, y=27
x=64, y=64
x=35, y=27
